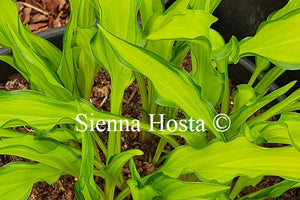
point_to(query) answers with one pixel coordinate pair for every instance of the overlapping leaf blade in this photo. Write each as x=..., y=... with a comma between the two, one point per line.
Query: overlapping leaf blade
x=43, y=113
x=222, y=161
x=46, y=151
x=37, y=67
x=17, y=179
x=283, y=47
x=174, y=86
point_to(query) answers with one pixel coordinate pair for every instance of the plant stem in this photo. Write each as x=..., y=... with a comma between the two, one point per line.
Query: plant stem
x=144, y=96
x=226, y=96
x=161, y=145
x=99, y=142
x=114, y=137
x=143, y=90
x=268, y=79
x=123, y=194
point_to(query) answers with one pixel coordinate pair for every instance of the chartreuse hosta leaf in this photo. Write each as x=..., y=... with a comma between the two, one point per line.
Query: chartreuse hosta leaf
x=160, y=186
x=78, y=68
x=173, y=85
x=86, y=187
x=273, y=191
x=241, y=115
x=292, y=120
x=17, y=178
x=262, y=64
x=284, y=131
x=8, y=133
x=206, y=75
x=269, y=132
x=119, y=17
x=205, y=5
x=176, y=23
x=148, y=8
x=243, y=182
x=277, y=109
x=182, y=25
x=114, y=167
x=43, y=113
x=222, y=161
x=11, y=23
x=37, y=68
x=283, y=47
x=243, y=96
x=46, y=151
x=290, y=6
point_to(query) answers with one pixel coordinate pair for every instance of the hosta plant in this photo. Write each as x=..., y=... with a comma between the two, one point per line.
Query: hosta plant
x=214, y=163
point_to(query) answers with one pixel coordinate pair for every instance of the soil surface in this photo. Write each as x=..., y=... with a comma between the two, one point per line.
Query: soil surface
x=41, y=15
x=45, y=14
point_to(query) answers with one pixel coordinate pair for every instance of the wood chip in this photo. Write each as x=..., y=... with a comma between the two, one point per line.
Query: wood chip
x=26, y=15
x=36, y=26
x=57, y=22
x=38, y=18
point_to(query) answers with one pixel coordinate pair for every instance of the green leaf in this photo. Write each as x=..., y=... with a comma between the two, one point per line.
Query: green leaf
x=62, y=135
x=43, y=113
x=292, y=120
x=273, y=191
x=228, y=52
x=77, y=73
x=270, y=132
x=295, y=106
x=170, y=188
x=290, y=6
x=173, y=85
x=21, y=108
x=121, y=20
x=17, y=178
x=181, y=26
x=8, y=133
x=37, y=67
x=46, y=151
x=276, y=109
x=195, y=139
x=86, y=187
x=222, y=161
x=145, y=193
x=238, y=118
x=262, y=64
x=283, y=47
x=205, y=5
x=243, y=96
x=269, y=78
x=8, y=59
x=114, y=167
x=117, y=162
x=127, y=28
x=149, y=8
x=161, y=187
x=243, y=182
x=205, y=74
